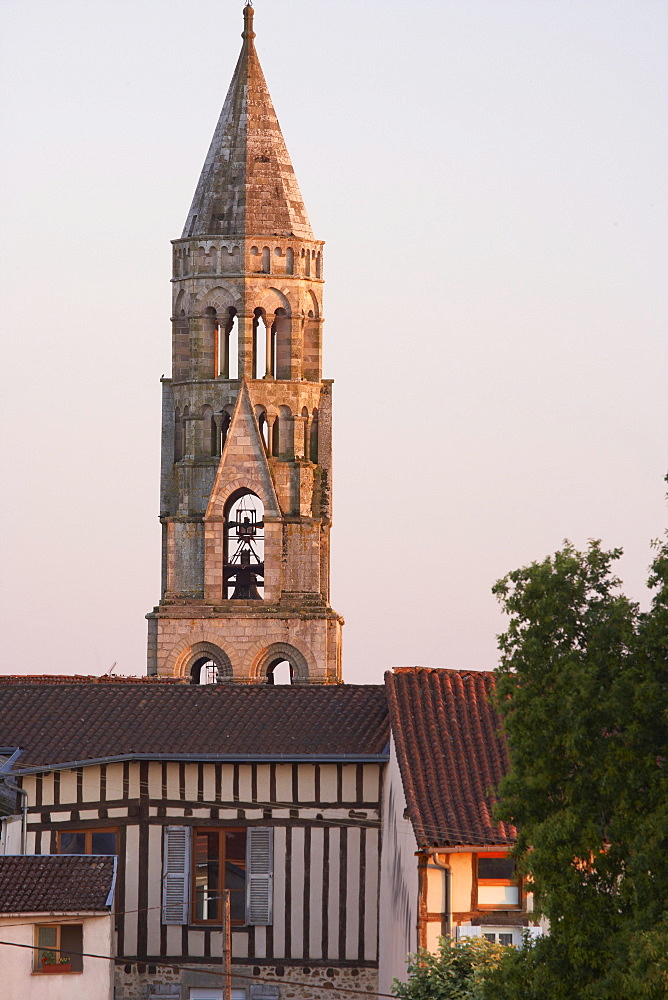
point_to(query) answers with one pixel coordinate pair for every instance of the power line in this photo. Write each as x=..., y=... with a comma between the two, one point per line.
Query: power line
x=177, y=966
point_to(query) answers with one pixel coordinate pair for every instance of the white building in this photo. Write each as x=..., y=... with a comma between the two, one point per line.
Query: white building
x=56, y=927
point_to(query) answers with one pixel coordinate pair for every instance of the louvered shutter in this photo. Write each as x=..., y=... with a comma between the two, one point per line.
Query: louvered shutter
x=259, y=875
x=176, y=875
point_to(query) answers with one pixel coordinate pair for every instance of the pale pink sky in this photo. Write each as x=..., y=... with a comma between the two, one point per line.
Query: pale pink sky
x=489, y=176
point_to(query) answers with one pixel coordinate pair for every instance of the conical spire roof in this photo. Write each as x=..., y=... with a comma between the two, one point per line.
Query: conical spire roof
x=247, y=185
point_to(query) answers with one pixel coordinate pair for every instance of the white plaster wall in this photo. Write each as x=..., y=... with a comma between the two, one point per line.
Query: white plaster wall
x=398, y=902
x=16, y=964
x=10, y=835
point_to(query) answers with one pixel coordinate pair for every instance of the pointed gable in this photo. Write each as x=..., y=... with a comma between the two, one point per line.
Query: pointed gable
x=248, y=185
x=243, y=462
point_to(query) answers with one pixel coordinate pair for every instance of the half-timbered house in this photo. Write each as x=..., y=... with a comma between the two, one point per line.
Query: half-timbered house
x=272, y=792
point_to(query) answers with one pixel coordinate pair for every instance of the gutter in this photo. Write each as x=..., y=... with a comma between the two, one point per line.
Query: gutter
x=467, y=848
x=110, y=898
x=29, y=916
x=24, y=818
x=447, y=874
x=285, y=758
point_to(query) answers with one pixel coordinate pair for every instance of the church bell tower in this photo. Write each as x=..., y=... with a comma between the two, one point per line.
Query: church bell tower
x=246, y=418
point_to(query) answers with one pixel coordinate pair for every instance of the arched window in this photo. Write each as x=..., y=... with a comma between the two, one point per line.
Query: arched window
x=243, y=573
x=261, y=415
x=206, y=663
x=228, y=349
x=281, y=663
x=289, y=261
x=221, y=426
x=266, y=260
x=260, y=337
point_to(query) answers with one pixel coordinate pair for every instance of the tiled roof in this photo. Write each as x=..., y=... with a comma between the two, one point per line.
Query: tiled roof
x=61, y=883
x=450, y=753
x=65, y=719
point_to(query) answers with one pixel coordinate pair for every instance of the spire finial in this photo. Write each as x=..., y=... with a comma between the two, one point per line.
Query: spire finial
x=248, y=21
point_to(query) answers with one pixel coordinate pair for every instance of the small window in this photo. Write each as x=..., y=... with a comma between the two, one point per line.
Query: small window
x=497, y=882
x=506, y=940
x=58, y=948
x=490, y=937
x=88, y=842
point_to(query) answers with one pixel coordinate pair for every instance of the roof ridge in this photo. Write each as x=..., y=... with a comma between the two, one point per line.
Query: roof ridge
x=87, y=679
x=462, y=671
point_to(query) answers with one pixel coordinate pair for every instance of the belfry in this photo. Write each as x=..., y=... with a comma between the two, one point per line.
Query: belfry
x=246, y=419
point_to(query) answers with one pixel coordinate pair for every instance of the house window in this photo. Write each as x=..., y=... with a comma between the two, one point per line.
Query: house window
x=199, y=863
x=88, y=842
x=497, y=883
x=219, y=862
x=58, y=948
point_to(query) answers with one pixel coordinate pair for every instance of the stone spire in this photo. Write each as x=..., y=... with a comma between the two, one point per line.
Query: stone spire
x=246, y=481
x=247, y=185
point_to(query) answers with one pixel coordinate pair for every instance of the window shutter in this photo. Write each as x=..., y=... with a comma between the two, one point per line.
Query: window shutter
x=259, y=875
x=176, y=875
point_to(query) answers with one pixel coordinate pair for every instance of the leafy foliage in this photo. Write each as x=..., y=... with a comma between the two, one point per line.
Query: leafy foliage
x=455, y=972
x=583, y=691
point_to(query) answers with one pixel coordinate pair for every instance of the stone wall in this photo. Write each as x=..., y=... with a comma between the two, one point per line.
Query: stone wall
x=140, y=981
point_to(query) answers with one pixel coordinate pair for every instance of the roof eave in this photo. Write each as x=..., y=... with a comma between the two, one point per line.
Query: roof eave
x=256, y=758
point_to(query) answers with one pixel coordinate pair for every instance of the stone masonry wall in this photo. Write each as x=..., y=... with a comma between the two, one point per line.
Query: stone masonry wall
x=139, y=981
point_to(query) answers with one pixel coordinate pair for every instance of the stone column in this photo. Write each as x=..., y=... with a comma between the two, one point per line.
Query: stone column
x=298, y=435
x=270, y=435
x=269, y=373
x=296, y=327
x=245, y=328
x=218, y=419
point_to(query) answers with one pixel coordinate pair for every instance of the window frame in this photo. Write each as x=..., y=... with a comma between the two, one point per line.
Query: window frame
x=222, y=861
x=88, y=835
x=516, y=882
x=37, y=969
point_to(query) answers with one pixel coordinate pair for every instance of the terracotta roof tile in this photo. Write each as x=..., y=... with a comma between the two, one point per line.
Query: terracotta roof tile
x=61, y=883
x=58, y=720
x=451, y=754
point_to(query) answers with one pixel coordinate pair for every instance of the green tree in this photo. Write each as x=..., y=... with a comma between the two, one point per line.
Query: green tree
x=455, y=972
x=583, y=691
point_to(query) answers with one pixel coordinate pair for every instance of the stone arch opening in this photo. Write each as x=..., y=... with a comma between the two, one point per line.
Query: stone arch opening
x=206, y=663
x=262, y=353
x=227, y=362
x=243, y=569
x=263, y=424
x=269, y=665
